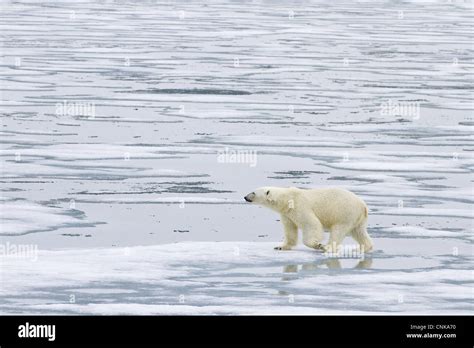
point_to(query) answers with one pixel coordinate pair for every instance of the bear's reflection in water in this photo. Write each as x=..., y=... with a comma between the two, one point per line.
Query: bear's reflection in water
x=332, y=263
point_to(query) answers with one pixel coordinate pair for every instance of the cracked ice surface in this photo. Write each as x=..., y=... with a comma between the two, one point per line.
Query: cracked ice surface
x=237, y=278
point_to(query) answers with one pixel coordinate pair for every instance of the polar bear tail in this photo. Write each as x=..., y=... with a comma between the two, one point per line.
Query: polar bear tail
x=363, y=217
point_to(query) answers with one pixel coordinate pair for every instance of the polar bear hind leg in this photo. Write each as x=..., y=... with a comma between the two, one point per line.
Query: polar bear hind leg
x=337, y=235
x=360, y=235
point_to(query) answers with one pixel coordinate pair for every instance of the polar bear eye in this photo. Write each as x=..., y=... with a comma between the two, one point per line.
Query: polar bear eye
x=268, y=192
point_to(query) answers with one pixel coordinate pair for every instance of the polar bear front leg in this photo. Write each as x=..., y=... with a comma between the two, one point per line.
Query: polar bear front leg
x=291, y=234
x=313, y=232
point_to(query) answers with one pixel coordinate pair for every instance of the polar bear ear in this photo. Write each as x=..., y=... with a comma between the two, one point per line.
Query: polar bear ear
x=270, y=196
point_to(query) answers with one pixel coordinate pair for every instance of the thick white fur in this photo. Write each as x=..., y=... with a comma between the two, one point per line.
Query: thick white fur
x=337, y=210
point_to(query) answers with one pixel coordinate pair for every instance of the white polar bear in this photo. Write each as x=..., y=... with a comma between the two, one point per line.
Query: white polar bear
x=313, y=210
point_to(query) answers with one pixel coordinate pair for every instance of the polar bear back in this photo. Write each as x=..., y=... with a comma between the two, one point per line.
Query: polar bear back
x=335, y=206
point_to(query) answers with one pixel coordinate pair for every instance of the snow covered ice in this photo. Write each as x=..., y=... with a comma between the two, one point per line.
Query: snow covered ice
x=236, y=278
x=114, y=114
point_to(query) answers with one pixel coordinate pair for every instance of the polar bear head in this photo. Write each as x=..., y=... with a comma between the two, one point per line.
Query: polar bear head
x=276, y=198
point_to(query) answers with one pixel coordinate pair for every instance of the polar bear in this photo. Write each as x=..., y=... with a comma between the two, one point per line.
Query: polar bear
x=313, y=210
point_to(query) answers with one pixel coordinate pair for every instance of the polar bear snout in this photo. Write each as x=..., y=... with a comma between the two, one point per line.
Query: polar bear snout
x=250, y=197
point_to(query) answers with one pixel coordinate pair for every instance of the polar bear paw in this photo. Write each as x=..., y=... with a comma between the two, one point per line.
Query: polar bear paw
x=317, y=246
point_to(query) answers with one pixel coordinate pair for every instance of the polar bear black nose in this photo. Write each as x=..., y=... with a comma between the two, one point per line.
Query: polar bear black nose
x=250, y=197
